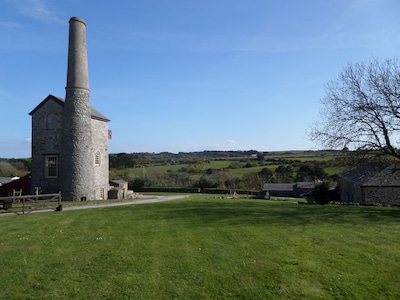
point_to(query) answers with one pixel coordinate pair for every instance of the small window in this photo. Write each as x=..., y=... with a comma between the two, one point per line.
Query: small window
x=51, y=169
x=51, y=121
x=97, y=158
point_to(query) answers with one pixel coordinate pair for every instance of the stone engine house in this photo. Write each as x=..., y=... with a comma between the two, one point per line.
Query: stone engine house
x=70, y=137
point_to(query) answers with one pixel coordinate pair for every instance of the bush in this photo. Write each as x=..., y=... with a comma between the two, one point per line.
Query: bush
x=205, y=182
x=137, y=183
x=322, y=193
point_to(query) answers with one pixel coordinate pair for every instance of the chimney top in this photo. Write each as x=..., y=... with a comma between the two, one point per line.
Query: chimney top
x=77, y=19
x=77, y=72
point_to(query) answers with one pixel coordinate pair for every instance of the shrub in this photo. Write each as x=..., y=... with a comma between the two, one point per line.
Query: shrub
x=322, y=193
x=205, y=182
x=137, y=183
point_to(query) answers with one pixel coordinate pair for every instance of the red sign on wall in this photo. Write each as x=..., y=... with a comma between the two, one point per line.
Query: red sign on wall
x=109, y=134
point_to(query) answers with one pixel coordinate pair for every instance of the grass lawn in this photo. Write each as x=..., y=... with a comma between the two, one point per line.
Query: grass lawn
x=202, y=248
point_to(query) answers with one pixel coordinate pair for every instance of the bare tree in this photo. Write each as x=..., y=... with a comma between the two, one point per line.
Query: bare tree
x=361, y=109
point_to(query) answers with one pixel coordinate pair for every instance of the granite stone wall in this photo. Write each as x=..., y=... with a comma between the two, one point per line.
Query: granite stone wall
x=350, y=192
x=368, y=195
x=76, y=161
x=384, y=195
x=101, y=169
x=46, y=140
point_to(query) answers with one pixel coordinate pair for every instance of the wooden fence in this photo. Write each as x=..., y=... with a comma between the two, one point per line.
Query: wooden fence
x=30, y=203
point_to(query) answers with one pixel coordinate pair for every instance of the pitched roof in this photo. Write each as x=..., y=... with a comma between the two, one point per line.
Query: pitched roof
x=5, y=179
x=119, y=181
x=58, y=100
x=279, y=186
x=95, y=114
x=374, y=175
x=305, y=184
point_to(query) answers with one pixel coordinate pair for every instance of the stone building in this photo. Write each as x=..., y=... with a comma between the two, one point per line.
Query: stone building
x=372, y=184
x=70, y=137
x=287, y=189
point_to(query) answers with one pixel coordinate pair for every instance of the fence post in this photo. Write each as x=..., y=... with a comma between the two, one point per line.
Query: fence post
x=59, y=201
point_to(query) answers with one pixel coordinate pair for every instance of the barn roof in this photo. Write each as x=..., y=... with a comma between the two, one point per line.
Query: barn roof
x=279, y=186
x=94, y=113
x=5, y=179
x=305, y=184
x=374, y=175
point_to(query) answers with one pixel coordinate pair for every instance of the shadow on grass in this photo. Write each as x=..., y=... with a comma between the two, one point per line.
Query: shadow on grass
x=268, y=213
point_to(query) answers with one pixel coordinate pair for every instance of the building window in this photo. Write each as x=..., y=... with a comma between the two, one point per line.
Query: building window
x=102, y=194
x=51, y=121
x=51, y=169
x=97, y=158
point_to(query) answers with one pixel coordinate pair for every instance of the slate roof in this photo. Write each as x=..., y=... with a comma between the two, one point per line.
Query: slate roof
x=279, y=187
x=5, y=180
x=305, y=184
x=288, y=187
x=95, y=113
x=118, y=181
x=374, y=175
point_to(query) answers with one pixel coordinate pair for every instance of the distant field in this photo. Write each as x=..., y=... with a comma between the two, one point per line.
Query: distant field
x=215, y=164
x=229, y=172
x=203, y=247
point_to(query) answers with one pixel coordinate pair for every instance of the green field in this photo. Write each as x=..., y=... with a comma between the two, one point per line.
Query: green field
x=203, y=247
x=241, y=172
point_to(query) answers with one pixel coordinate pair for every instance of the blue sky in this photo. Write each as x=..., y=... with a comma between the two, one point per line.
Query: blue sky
x=181, y=75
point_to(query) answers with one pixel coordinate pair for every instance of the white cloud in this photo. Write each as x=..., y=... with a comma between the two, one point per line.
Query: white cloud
x=9, y=24
x=231, y=142
x=37, y=9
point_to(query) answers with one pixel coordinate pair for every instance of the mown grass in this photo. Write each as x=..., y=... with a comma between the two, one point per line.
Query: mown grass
x=202, y=248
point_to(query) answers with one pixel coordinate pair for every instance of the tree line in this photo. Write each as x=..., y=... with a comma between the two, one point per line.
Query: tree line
x=229, y=177
x=14, y=167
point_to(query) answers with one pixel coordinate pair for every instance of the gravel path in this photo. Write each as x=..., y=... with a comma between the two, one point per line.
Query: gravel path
x=143, y=199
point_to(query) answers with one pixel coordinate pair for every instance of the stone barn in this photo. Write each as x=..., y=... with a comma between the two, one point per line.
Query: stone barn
x=373, y=184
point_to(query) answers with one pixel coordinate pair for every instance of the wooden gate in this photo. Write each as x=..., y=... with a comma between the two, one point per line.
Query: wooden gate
x=29, y=203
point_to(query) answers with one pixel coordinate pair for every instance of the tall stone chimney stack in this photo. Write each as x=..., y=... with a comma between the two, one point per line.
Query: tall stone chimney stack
x=76, y=159
x=77, y=73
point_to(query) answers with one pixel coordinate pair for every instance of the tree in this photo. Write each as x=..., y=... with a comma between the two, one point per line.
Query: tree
x=361, y=109
x=266, y=175
x=205, y=182
x=283, y=174
x=310, y=173
x=137, y=183
x=232, y=182
x=322, y=193
x=260, y=157
x=252, y=181
x=121, y=161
